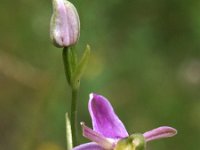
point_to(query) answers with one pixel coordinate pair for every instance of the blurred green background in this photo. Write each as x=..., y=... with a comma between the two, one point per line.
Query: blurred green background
x=145, y=60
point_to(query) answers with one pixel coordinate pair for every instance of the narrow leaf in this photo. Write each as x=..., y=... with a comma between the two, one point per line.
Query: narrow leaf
x=68, y=133
x=80, y=68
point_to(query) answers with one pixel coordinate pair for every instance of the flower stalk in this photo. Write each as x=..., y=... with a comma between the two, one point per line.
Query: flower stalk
x=74, y=116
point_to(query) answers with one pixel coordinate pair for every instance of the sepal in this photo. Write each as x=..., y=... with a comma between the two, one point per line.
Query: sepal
x=159, y=133
x=94, y=136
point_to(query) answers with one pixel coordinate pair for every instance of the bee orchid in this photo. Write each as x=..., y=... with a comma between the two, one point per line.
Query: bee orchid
x=109, y=133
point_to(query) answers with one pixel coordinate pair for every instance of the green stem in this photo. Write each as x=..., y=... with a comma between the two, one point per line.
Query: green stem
x=74, y=116
x=66, y=64
x=68, y=73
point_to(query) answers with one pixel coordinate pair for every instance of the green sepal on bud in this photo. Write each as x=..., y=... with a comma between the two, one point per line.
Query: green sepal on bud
x=133, y=142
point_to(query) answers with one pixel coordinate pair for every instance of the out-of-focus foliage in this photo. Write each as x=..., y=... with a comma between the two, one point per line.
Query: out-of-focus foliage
x=145, y=59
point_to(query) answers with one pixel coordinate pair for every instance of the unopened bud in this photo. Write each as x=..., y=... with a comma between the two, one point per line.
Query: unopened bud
x=65, y=24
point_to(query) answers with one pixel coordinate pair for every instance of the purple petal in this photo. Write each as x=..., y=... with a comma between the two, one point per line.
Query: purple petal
x=88, y=146
x=97, y=137
x=158, y=133
x=104, y=119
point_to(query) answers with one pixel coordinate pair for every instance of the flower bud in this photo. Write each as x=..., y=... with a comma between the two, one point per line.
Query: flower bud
x=65, y=24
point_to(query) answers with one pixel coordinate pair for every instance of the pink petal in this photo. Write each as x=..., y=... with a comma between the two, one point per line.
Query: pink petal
x=158, y=133
x=104, y=119
x=88, y=146
x=97, y=137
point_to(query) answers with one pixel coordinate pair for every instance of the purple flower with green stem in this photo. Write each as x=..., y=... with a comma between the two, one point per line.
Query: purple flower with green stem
x=109, y=133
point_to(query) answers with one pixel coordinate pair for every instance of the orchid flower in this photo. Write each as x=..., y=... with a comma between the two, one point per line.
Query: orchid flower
x=109, y=133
